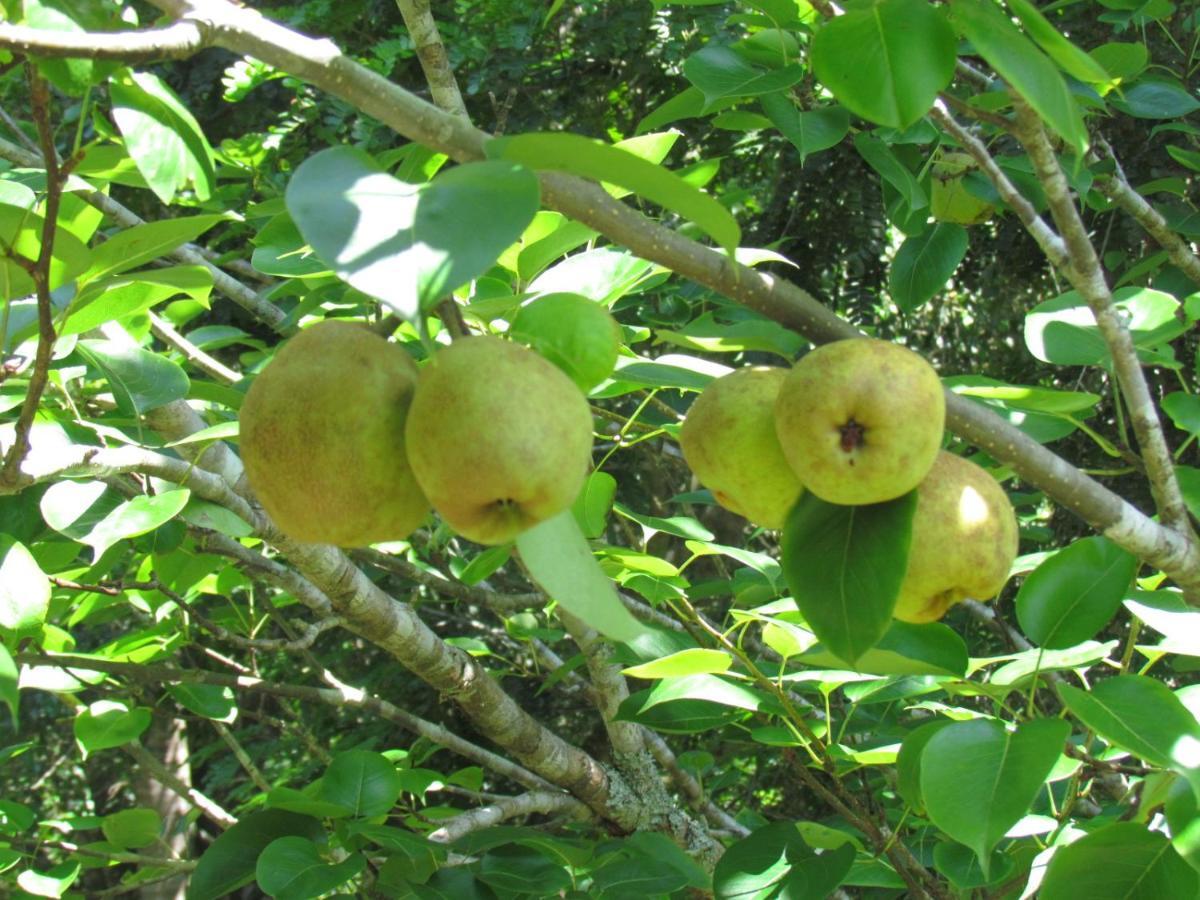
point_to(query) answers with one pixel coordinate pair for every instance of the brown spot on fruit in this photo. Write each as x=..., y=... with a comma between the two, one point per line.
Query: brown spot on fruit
x=853, y=436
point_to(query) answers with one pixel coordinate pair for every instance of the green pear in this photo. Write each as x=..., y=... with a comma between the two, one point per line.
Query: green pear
x=499, y=438
x=949, y=200
x=860, y=421
x=964, y=540
x=322, y=438
x=729, y=440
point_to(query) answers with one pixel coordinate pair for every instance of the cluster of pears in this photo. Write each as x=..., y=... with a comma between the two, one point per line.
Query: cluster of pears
x=345, y=442
x=856, y=422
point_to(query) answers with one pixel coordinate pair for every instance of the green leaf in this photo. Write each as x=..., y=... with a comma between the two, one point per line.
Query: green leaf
x=1071, y=596
x=588, y=158
x=886, y=62
x=1064, y=331
x=10, y=680
x=135, y=517
x=905, y=649
x=1184, y=410
x=810, y=131
x=116, y=298
x=1024, y=397
x=925, y=262
x=592, y=505
x=52, y=883
x=161, y=135
x=1171, y=616
x=722, y=73
x=574, y=332
x=636, y=879
x=1069, y=58
x=1156, y=97
x=961, y=867
x=406, y=244
x=107, y=724
x=132, y=829
x=292, y=868
x=363, y=782
x=697, y=661
x=228, y=863
x=21, y=235
x=604, y=274
x=558, y=558
x=879, y=156
x=978, y=780
x=775, y=861
x=1142, y=716
x=844, y=565
x=144, y=243
x=1121, y=60
x=141, y=380
x=212, y=701
x=690, y=703
x=1022, y=65
x=517, y=869
x=24, y=588
x=1122, y=861
x=908, y=762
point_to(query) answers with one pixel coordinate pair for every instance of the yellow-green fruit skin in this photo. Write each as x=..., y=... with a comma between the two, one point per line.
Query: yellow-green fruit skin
x=964, y=540
x=729, y=441
x=860, y=421
x=950, y=201
x=322, y=438
x=499, y=438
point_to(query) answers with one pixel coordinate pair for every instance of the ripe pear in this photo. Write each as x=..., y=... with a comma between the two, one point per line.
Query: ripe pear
x=499, y=438
x=729, y=440
x=964, y=540
x=322, y=438
x=950, y=201
x=860, y=421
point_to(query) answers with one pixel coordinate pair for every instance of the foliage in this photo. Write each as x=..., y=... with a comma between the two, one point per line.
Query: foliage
x=194, y=696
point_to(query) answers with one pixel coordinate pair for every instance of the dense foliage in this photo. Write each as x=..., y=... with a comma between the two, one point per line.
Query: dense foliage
x=645, y=695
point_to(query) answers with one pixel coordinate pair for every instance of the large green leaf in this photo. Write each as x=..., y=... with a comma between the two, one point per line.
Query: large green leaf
x=887, y=61
x=1142, y=716
x=978, y=779
x=24, y=588
x=722, y=73
x=292, y=868
x=161, y=135
x=1123, y=861
x=904, y=649
x=122, y=296
x=776, y=862
x=879, y=156
x=365, y=783
x=132, y=829
x=603, y=162
x=1064, y=331
x=517, y=869
x=559, y=559
x=844, y=565
x=135, y=517
x=810, y=131
x=228, y=863
x=1072, y=595
x=143, y=243
x=21, y=235
x=107, y=723
x=925, y=262
x=409, y=245
x=1068, y=57
x=1019, y=62
x=141, y=380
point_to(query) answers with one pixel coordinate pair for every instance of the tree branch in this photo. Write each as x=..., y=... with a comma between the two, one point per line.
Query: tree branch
x=176, y=41
x=212, y=810
x=1086, y=275
x=508, y=808
x=431, y=53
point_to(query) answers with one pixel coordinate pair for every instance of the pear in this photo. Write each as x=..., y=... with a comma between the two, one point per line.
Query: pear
x=949, y=200
x=964, y=540
x=322, y=438
x=729, y=440
x=499, y=438
x=860, y=421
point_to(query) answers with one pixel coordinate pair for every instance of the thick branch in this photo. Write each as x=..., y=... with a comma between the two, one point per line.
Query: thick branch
x=1086, y=275
x=431, y=53
x=544, y=802
x=177, y=41
x=164, y=776
x=1117, y=189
